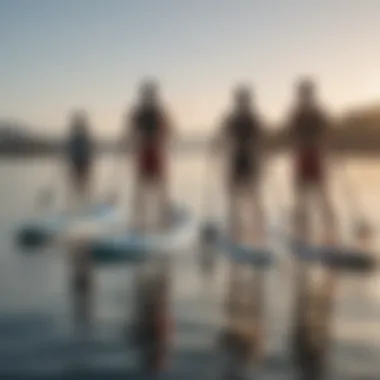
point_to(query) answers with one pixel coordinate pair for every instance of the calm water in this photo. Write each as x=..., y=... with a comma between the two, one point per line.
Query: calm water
x=34, y=301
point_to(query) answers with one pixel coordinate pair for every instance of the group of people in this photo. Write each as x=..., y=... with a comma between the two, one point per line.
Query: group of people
x=240, y=137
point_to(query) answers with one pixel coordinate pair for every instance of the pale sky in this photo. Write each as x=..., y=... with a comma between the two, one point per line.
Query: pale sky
x=56, y=55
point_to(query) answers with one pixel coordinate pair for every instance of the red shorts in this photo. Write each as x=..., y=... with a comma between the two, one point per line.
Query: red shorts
x=151, y=163
x=309, y=167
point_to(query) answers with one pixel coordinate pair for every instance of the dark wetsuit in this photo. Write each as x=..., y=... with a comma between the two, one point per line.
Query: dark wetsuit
x=244, y=132
x=149, y=124
x=308, y=130
x=80, y=156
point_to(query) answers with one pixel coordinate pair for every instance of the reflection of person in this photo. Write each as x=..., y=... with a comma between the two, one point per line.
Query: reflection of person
x=240, y=138
x=153, y=325
x=82, y=287
x=308, y=128
x=80, y=154
x=149, y=133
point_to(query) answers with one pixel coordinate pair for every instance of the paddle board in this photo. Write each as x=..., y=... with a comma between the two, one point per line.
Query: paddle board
x=256, y=255
x=336, y=256
x=114, y=245
x=42, y=230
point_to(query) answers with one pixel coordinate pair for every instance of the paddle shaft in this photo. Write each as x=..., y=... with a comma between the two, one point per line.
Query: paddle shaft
x=357, y=215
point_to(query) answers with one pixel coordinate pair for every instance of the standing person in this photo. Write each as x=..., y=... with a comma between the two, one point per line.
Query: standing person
x=240, y=138
x=149, y=133
x=80, y=162
x=308, y=128
x=80, y=155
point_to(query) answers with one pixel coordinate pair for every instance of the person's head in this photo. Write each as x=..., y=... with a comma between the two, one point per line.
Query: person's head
x=306, y=92
x=79, y=123
x=242, y=97
x=149, y=92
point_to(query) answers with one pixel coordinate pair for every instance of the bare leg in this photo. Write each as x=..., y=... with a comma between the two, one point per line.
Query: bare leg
x=301, y=219
x=327, y=212
x=163, y=201
x=259, y=232
x=138, y=218
x=233, y=218
x=80, y=190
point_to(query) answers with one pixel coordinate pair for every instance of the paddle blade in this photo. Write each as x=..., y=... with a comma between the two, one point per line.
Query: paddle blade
x=353, y=262
x=30, y=239
x=341, y=258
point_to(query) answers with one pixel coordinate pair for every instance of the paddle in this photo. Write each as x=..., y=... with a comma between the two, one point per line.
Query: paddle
x=208, y=229
x=361, y=227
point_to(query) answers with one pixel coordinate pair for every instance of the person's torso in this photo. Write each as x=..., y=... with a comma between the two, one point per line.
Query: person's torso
x=243, y=135
x=79, y=149
x=309, y=127
x=149, y=126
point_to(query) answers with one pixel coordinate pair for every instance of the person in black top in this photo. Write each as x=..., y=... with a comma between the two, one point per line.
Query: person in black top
x=149, y=131
x=240, y=137
x=80, y=153
x=309, y=130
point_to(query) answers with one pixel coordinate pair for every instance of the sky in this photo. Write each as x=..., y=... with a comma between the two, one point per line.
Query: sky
x=92, y=54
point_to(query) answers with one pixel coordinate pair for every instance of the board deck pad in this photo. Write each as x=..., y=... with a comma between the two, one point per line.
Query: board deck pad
x=339, y=257
x=258, y=256
x=40, y=231
x=133, y=247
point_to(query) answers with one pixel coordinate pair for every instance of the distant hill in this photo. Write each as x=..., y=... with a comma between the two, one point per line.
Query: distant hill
x=368, y=116
x=14, y=130
x=17, y=137
x=357, y=132
x=359, y=129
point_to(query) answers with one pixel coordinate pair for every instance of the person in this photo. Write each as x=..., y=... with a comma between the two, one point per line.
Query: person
x=308, y=127
x=80, y=160
x=240, y=137
x=80, y=153
x=149, y=131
